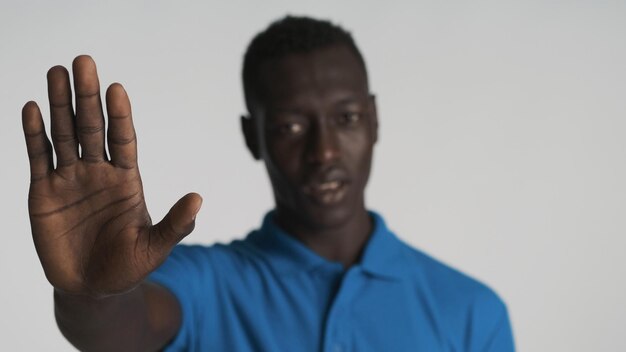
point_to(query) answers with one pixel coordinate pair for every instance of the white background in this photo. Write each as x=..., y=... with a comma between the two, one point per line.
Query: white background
x=502, y=147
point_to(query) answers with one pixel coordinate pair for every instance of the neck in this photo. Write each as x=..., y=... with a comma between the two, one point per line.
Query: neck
x=341, y=243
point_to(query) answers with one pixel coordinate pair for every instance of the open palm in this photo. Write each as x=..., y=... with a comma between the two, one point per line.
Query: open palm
x=89, y=221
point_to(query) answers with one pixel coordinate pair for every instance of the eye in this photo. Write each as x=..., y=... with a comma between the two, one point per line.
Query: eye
x=290, y=128
x=350, y=118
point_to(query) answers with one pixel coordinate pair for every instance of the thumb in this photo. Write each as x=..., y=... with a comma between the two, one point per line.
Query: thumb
x=178, y=223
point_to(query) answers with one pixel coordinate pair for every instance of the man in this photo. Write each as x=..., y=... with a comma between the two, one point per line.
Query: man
x=321, y=273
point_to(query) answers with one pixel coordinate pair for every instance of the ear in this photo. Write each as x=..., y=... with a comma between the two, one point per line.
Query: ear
x=248, y=127
x=374, y=117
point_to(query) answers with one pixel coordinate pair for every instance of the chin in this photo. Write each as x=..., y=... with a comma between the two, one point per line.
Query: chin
x=326, y=217
x=310, y=212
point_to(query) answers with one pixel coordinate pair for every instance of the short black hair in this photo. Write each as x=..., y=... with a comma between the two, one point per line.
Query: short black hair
x=290, y=35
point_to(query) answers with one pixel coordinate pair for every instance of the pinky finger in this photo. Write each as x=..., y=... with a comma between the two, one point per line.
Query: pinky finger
x=37, y=143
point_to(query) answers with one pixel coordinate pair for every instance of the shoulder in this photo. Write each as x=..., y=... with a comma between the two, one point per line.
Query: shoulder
x=216, y=257
x=469, y=312
x=446, y=281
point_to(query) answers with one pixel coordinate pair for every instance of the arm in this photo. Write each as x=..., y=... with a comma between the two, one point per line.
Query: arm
x=145, y=318
x=90, y=224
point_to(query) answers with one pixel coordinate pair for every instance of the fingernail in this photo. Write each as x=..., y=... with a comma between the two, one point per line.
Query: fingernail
x=198, y=209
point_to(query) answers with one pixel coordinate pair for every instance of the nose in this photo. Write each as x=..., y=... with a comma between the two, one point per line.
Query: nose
x=323, y=146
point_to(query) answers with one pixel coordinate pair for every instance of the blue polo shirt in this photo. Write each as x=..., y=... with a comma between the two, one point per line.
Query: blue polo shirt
x=269, y=292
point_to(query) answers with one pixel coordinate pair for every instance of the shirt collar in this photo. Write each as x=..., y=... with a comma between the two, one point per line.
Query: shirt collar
x=382, y=256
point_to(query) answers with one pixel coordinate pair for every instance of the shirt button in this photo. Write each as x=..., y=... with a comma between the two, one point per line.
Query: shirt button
x=337, y=348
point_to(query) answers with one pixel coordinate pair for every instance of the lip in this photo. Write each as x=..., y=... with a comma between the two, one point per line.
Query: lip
x=327, y=188
x=327, y=193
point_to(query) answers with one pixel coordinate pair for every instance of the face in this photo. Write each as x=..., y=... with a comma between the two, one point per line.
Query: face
x=315, y=127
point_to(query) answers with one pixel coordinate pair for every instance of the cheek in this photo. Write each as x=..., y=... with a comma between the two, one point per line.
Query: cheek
x=358, y=159
x=285, y=159
x=357, y=150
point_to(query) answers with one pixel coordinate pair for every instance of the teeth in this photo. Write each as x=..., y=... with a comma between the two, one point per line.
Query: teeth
x=329, y=186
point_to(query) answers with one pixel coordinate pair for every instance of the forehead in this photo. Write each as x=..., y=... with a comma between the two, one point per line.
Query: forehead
x=321, y=75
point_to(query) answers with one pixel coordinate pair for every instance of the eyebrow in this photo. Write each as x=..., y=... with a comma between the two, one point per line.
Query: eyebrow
x=352, y=100
x=349, y=100
x=345, y=100
x=291, y=110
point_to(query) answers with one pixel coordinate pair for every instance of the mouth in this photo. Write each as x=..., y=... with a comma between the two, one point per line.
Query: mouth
x=327, y=192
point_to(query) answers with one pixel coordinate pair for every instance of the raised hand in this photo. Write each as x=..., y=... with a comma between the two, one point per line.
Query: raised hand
x=89, y=221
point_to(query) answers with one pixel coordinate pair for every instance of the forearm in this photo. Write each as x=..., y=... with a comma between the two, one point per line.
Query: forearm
x=145, y=318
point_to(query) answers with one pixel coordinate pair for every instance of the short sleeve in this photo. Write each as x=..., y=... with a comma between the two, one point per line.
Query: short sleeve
x=502, y=337
x=490, y=327
x=188, y=275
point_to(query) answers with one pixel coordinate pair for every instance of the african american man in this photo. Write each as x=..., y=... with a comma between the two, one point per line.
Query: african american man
x=321, y=273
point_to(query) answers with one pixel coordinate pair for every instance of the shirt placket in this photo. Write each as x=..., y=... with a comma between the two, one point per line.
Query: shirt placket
x=337, y=327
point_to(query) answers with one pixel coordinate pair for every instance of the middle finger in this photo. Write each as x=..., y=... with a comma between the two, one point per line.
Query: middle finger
x=89, y=117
